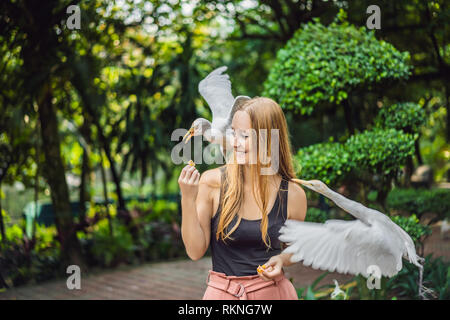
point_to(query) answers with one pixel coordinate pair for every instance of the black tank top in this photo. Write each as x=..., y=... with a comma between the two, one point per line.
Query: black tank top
x=242, y=255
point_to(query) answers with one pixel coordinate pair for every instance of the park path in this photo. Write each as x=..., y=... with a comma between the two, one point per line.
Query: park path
x=176, y=280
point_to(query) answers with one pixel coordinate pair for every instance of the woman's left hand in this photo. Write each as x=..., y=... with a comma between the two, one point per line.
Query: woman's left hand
x=273, y=268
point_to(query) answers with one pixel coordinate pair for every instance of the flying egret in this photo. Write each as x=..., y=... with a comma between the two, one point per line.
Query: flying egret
x=373, y=239
x=216, y=90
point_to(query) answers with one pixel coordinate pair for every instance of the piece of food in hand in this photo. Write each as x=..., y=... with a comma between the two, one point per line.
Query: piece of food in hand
x=191, y=163
x=261, y=268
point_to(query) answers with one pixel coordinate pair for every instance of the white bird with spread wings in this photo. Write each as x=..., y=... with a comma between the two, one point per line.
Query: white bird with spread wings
x=373, y=239
x=216, y=90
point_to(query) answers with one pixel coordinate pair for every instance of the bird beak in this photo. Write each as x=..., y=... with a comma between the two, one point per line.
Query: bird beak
x=189, y=135
x=303, y=182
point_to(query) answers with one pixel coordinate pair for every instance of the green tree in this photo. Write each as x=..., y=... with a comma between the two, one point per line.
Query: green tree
x=29, y=29
x=321, y=66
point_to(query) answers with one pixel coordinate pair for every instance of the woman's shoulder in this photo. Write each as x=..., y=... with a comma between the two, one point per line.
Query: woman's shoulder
x=212, y=177
x=296, y=189
x=297, y=202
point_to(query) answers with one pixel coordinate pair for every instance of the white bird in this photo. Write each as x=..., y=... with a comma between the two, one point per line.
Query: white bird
x=349, y=246
x=216, y=90
x=337, y=290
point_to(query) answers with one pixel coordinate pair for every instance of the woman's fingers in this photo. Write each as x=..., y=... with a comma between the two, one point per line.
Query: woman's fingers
x=261, y=274
x=188, y=173
x=264, y=278
x=183, y=172
x=271, y=272
x=188, y=182
x=194, y=177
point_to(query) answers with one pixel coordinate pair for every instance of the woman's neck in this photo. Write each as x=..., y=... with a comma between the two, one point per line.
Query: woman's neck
x=248, y=178
x=247, y=174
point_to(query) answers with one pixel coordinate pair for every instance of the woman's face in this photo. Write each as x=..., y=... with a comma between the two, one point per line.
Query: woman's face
x=241, y=136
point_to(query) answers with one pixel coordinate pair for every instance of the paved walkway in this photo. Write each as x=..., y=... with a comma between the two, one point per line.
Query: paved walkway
x=183, y=279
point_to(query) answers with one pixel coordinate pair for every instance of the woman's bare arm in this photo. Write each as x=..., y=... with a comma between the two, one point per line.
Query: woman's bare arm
x=196, y=217
x=297, y=206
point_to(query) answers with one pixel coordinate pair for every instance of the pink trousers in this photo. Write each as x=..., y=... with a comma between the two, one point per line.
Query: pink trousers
x=223, y=287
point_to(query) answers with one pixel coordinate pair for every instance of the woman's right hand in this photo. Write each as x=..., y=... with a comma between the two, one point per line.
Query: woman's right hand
x=188, y=182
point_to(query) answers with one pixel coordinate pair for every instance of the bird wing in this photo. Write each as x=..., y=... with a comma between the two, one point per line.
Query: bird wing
x=343, y=246
x=368, y=216
x=216, y=90
x=238, y=101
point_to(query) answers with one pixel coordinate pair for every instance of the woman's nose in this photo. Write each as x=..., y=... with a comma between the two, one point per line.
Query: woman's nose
x=235, y=141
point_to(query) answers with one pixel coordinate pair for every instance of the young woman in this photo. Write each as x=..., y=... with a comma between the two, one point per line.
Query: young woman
x=239, y=211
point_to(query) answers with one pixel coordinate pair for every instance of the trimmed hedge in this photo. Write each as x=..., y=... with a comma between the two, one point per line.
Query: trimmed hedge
x=406, y=116
x=378, y=151
x=420, y=201
x=325, y=63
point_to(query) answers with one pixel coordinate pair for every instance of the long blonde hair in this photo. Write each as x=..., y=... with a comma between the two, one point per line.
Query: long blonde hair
x=264, y=113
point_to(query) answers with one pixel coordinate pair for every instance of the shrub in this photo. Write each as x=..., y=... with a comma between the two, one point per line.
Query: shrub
x=380, y=151
x=325, y=63
x=377, y=152
x=412, y=226
x=110, y=250
x=327, y=162
x=420, y=201
x=406, y=116
x=316, y=215
x=23, y=262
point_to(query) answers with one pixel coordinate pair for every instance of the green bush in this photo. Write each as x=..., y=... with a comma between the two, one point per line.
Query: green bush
x=316, y=215
x=158, y=240
x=412, y=226
x=420, y=201
x=373, y=152
x=328, y=162
x=325, y=63
x=111, y=250
x=406, y=116
x=163, y=210
x=380, y=151
x=22, y=262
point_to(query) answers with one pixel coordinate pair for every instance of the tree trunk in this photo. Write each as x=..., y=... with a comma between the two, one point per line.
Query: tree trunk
x=86, y=169
x=105, y=193
x=54, y=173
x=348, y=116
x=115, y=176
x=2, y=224
x=417, y=150
x=409, y=167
